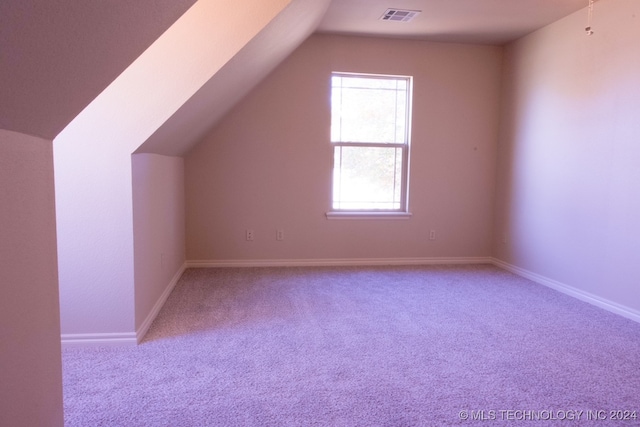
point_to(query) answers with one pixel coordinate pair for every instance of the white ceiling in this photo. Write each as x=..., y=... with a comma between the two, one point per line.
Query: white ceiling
x=190, y=123
x=59, y=55
x=56, y=56
x=461, y=21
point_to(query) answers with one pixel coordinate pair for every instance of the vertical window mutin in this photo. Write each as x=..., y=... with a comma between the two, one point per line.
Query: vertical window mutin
x=370, y=128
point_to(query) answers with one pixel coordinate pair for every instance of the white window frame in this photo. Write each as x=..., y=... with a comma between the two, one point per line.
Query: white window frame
x=403, y=211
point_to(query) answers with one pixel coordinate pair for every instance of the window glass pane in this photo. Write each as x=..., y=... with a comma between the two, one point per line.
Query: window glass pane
x=365, y=82
x=336, y=114
x=368, y=110
x=367, y=178
x=401, y=117
x=398, y=174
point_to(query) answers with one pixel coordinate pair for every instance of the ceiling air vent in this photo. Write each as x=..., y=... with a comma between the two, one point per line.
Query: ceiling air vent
x=399, y=15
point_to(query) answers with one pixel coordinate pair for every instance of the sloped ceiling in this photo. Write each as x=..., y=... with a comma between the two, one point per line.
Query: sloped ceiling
x=469, y=21
x=56, y=56
x=246, y=69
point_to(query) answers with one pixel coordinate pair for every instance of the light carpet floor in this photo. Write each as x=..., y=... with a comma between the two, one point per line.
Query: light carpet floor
x=375, y=346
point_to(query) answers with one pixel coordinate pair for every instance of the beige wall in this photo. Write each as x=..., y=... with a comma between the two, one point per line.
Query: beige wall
x=30, y=364
x=267, y=165
x=94, y=207
x=569, y=185
x=158, y=224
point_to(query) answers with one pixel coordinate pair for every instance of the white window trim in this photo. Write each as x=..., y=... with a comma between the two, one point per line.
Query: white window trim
x=368, y=215
x=403, y=213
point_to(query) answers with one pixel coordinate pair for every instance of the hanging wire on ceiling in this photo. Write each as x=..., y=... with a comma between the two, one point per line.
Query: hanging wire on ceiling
x=589, y=18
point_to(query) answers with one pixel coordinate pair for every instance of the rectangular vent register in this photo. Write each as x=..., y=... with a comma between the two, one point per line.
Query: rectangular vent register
x=399, y=15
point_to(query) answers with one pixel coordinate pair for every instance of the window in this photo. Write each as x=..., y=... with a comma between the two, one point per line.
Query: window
x=370, y=128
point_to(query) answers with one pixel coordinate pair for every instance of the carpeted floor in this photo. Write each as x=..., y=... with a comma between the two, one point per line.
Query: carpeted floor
x=375, y=346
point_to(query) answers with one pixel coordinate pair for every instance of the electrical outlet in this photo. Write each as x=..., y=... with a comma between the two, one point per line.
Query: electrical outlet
x=280, y=235
x=432, y=235
x=250, y=235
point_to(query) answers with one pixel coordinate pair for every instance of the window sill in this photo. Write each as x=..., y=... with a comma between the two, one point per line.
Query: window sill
x=367, y=215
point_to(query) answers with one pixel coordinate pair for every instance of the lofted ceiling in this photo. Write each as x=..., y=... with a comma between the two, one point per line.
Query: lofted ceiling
x=190, y=123
x=466, y=21
x=462, y=21
x=58, y=55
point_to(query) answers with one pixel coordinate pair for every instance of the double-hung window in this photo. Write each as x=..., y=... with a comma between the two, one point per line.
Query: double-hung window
x=370, y=129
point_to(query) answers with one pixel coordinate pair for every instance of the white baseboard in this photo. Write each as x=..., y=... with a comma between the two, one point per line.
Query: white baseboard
x=123, y=338
x=337, y=262
x=587, y=297
x=133, y=338
x=142, y=330
x=99, y=340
